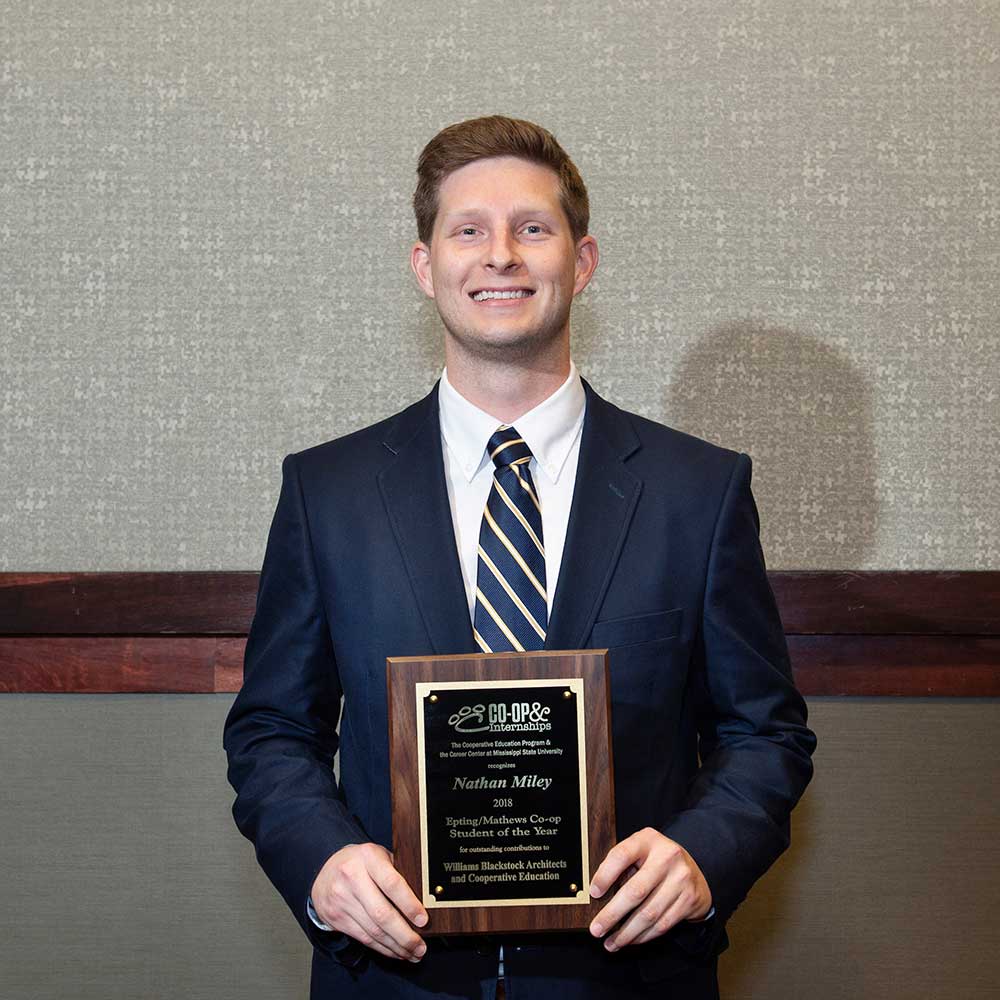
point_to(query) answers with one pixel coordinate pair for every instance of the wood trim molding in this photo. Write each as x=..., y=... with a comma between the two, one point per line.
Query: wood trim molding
x=212, y=603
x=914, y=602
x=910, y=634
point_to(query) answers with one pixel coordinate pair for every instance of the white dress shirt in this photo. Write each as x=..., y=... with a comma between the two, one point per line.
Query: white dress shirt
x=551, y=430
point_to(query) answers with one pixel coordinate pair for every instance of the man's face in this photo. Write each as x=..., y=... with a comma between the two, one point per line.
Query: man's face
x=502, y=266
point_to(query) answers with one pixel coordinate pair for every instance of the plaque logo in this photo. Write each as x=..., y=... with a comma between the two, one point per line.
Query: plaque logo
x=502, y=717
x=467, y=714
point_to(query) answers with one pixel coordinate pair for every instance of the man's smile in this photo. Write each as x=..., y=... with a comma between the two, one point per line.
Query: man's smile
x=501, y=295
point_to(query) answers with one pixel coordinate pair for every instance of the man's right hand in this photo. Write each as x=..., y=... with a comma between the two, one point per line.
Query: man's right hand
x=359, y=892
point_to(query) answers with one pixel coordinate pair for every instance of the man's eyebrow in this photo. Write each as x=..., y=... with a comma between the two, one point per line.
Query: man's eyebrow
x=516, y=210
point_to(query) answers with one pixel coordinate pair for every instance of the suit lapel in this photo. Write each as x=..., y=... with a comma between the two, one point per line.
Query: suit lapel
x=415, y=494
x=416, y=499
x=604, y=499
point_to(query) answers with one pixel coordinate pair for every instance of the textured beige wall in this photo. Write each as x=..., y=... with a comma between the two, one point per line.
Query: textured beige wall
x=204, y=223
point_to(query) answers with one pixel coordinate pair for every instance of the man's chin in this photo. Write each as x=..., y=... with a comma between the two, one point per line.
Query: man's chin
x=506, y=345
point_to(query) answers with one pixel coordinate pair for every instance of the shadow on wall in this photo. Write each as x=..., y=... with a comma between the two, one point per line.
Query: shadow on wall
x=803, y=412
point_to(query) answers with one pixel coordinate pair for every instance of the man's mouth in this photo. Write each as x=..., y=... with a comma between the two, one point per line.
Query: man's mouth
x=485, y=294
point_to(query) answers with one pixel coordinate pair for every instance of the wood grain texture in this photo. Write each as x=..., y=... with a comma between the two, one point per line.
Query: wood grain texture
x=402, y=674
x=912, y=602
x=211, y=603
x=874, y=633
x=117, y=664
x=911, y=666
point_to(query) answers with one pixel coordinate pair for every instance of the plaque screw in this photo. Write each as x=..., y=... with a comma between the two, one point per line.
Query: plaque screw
x=434, y=697
x=567, y=694
x=438, y=890
x=572, y=887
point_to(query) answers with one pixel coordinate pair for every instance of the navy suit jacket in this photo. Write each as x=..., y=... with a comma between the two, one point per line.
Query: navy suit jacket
x=662, y=565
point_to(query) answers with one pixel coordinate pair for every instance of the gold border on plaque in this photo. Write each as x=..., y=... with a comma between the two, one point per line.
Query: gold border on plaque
x=424, y=688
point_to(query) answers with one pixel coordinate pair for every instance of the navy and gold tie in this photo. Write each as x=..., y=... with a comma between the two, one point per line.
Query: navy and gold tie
x=511, y=613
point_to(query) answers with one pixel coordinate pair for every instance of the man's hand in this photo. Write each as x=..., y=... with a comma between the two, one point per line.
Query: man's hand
x=665, y=888
x=359, y=893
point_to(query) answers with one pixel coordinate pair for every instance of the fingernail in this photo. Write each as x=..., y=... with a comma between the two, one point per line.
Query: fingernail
x=420, y=919
x=610, y=945
x=596, y=929
x=595, y=891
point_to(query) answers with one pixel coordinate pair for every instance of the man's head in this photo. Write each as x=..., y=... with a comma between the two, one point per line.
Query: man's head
x=484, y=138
x=503, y=246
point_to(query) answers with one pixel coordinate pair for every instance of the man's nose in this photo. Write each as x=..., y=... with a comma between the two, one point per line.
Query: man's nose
x=501, y=252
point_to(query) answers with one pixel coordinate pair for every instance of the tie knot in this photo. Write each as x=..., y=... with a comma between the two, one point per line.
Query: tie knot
x=507, y=447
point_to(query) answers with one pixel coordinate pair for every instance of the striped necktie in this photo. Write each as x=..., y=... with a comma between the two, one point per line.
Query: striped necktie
x=510, y=580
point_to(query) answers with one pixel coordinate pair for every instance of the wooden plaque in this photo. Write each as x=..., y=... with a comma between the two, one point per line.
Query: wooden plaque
x=502, y=787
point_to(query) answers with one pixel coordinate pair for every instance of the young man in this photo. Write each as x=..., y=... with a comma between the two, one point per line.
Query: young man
x=621, y=533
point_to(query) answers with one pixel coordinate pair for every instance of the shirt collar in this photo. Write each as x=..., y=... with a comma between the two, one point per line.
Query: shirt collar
x=549, y=429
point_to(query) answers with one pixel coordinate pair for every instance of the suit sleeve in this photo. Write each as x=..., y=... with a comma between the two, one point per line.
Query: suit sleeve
x=280, y=735
x=754, y=744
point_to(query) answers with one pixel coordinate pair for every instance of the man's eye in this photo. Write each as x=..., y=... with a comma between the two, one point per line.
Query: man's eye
x=533, y=229
x=467, y=231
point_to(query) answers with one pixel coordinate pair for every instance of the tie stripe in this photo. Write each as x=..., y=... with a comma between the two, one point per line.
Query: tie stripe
x=509, y=591
x=527, y=489
x=520, y=517
x=515, y=555
x=503, y=447
x=510, y=612
x=498, y=621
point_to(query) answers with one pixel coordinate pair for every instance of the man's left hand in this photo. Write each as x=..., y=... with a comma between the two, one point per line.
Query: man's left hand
x=665, y=888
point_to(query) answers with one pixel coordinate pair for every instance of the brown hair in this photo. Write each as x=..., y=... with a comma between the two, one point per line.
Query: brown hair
x=480, y=138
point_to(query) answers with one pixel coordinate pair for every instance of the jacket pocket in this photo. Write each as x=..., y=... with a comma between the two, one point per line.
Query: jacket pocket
x=618, y=632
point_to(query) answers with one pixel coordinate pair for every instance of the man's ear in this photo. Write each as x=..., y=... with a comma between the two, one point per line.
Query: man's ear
x=420, y=261
x=586, y=263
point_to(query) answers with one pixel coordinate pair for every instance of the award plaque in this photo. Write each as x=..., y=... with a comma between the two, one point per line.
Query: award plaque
x=502, y=792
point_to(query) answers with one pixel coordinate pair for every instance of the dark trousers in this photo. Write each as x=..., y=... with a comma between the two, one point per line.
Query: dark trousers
x=581, y=970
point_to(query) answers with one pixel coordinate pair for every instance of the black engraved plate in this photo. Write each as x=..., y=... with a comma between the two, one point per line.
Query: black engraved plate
x=503, y=793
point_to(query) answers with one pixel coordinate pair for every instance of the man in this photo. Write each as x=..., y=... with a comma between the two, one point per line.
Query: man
x=645, y=542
